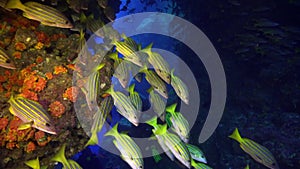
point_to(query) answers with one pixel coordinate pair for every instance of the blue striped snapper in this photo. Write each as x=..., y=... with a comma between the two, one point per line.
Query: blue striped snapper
x=5, y=61
x=31, y=113
x=196, y=153
x=135, y=98
x=99, y=119
x=200, y=165
x=155, y=81
x=124, y=106
x=179, y=123
x=129, y=52
x=46, y=15
x=160, y=66
x=180, y=88
x=67, y=163
x=258, y=152
x=172, y=142
x=130, y=152
x=157, y=103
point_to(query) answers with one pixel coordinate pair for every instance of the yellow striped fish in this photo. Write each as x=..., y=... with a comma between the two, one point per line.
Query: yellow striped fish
x=124, y=106
x=160, y=66
x=99, y=119
x=196, y=153
x=157, y=103
x=153, y=122
x=45, y=14
x=122, y=73
x=130, y=152
x=258, y=152
x=35, y=164
x=180, y=88
x=135, y=98
x=129, y=52
x=200, y=165
x=67, y=163
x=174, y=144
x=155, y=82
x=31, y=113
x=179, y=123
x=5, y=61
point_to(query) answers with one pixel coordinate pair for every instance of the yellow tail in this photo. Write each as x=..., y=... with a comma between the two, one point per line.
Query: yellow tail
x=236, y=136
x=15, y=4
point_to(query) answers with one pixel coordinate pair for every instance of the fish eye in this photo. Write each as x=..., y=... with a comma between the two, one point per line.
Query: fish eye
x=7, y=61
x=141, y=166
x=48, y=125
x=134, y=117
x=67, y=22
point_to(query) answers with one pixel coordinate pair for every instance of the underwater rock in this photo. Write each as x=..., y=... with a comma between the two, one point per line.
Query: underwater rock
x=26, y=36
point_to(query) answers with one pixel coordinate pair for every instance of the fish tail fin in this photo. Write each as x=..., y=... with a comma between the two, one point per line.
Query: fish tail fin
x=150, y=89
x=113, y=131
x=60, y=156
x=114, y=56
x=171, y=109
x=144, y=69
x=110, y=90
x=148, y=48
x=236, y=135
x=131, y=88
x=15, y=4
x=161, y=130
x=33, y=163
x=152, y=122
x=93, y=139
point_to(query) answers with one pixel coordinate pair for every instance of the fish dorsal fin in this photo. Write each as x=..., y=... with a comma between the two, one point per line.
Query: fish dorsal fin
x=110, y=90
x=93, y=139
x=236, y=136
x=148, y=49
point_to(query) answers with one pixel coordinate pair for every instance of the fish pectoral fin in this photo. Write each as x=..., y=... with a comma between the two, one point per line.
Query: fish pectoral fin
x=25, y=125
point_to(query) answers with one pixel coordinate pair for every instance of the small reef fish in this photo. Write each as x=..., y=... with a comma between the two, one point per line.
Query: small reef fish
x=67, y=163
x=45, y=14
x=121, y=70
x=160, y=66
x=179, y=123
x=135, y=98
x=258, y=152
x=99, y=119
x=129, y=52
x=196, y=153
x=31, y=113
x=124, y=106
x=92, y=85
x=173, y=143
x=180, y=88
x=157, y=103
x=5, y=61
x=153, y=122
x=199, y=165
x=130, y=152
x=155, y=81
x=34, y=164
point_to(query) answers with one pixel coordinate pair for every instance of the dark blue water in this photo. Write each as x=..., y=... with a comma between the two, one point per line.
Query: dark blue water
x=258, y=44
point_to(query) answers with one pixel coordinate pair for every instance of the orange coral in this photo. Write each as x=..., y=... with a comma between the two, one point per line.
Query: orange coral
x=41, y=138
x=15, y=122
x=3, y=123
x=59, y=70
x=71, y=93
x=39, y=59
x=20, y=46
x=30, y=147
x=29, y=95
x=17, y=55
x=10, y=145
x=39, y=45
x=49, y=75
x=57, y=109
